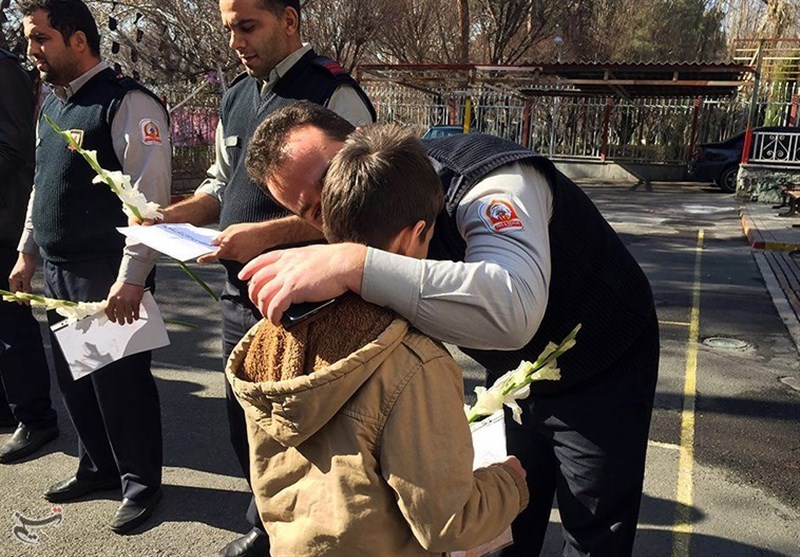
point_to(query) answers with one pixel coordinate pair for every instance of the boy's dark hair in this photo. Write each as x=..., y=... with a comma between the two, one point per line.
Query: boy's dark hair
x=380, y=183
x=67, y=17
x=266, y=151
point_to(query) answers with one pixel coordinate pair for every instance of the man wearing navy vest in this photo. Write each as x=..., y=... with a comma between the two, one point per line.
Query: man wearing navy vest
x=72, y=222
x=519, y=257
x=25, y=386
x=280, y=71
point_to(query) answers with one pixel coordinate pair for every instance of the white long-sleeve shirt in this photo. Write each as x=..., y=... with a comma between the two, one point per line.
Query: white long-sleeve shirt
x=148, y=165
x=496, y=297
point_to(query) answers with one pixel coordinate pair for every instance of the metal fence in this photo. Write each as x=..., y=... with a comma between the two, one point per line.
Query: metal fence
x=194, y=114
x=781, y=148
x=663, y=130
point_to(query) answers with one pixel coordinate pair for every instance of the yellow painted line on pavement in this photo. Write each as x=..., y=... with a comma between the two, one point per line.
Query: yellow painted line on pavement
x=675, y=323
x=682, y=529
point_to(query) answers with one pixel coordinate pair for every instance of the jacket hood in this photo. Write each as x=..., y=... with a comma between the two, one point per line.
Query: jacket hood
x=291, y=383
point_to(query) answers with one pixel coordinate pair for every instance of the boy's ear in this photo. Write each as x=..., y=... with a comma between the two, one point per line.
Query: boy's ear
x=407, y=242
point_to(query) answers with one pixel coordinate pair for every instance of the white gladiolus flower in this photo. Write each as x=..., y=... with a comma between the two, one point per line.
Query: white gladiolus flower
x=91, y=158
x=489, y=401
x=120, y=180
x=134, y=203
x=515, y=385
x=510, y=400
x=80, y=311
x=73, y=311
x=548, y=373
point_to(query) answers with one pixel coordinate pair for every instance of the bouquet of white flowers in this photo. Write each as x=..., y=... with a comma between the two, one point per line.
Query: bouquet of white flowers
x=516, y=384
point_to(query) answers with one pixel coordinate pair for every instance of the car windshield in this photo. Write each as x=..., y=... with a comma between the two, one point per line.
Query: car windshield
x=442, y=131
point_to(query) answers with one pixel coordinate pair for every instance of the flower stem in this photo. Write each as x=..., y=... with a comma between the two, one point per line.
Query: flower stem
x=198, y=280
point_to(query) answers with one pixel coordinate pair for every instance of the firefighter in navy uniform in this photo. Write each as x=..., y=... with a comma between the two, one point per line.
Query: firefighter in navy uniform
x=281, y=70
x=519, y=257
x=72, y=222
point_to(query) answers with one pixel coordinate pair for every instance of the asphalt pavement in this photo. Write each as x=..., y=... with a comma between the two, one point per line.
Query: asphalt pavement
x=723, y=471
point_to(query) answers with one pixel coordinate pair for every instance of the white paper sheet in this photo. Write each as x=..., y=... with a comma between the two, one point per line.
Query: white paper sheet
x=95, y=342
x=489, y=442
x=181, y=241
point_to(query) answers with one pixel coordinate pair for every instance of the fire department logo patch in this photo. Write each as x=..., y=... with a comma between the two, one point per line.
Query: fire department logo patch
x=151, y=133
x=500, y=215
x=77, y=136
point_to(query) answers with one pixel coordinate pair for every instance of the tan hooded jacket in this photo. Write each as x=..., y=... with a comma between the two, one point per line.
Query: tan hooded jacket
x=358, y=440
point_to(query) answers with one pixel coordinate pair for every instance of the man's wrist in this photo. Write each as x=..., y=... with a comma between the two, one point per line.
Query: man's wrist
x=354, y=260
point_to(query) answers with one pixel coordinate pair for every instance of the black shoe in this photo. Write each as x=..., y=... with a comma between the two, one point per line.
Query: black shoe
x=254, y=544
x=73, y=488
x=26, y=441
x=132, y=514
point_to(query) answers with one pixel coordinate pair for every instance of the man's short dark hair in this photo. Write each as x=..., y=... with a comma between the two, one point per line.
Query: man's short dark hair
x=380, y=183
x=266, y=151
x=277, y=6
x=67, y=17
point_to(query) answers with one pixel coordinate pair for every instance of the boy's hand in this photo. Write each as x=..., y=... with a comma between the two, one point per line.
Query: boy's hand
x=516, y=466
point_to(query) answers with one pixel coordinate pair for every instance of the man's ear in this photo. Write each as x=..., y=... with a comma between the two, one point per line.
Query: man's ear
x=291, y=21
x=78, y=41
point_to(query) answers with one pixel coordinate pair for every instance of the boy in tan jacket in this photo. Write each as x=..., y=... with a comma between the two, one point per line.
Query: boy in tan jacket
x=358, y=440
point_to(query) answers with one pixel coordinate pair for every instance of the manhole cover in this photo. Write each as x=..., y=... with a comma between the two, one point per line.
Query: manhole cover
x=726, y=343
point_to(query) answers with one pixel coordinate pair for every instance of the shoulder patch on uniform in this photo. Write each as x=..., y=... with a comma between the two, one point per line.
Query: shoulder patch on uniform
x=150, y=132
x=500, y=214
x=331, y=66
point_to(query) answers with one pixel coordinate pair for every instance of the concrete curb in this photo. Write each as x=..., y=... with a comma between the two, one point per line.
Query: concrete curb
x=756, y=238
x=780, y=299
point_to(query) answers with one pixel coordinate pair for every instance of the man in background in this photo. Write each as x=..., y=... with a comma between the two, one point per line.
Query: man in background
x=25, y=386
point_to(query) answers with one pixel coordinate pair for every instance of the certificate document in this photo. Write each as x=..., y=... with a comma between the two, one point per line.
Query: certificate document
x=95, y=342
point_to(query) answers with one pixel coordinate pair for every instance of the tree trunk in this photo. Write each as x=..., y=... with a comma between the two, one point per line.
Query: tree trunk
x=463, y=28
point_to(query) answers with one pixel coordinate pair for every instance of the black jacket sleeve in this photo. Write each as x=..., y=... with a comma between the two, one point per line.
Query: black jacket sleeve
x=17, y=137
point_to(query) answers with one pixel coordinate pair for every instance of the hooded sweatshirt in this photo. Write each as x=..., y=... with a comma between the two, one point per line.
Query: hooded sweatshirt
x=358, y=440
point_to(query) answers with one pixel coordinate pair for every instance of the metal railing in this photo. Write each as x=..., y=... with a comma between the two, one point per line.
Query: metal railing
x=781, y=148
x=663, y=130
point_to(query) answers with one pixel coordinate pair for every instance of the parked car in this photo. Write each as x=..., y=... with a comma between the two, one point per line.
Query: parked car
x=437, y=132
x=719, y=162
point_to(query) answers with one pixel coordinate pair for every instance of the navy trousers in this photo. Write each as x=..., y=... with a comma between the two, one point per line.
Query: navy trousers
x=238, y=316
x=24, y=375
x=115, y=410
x=588, y=446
